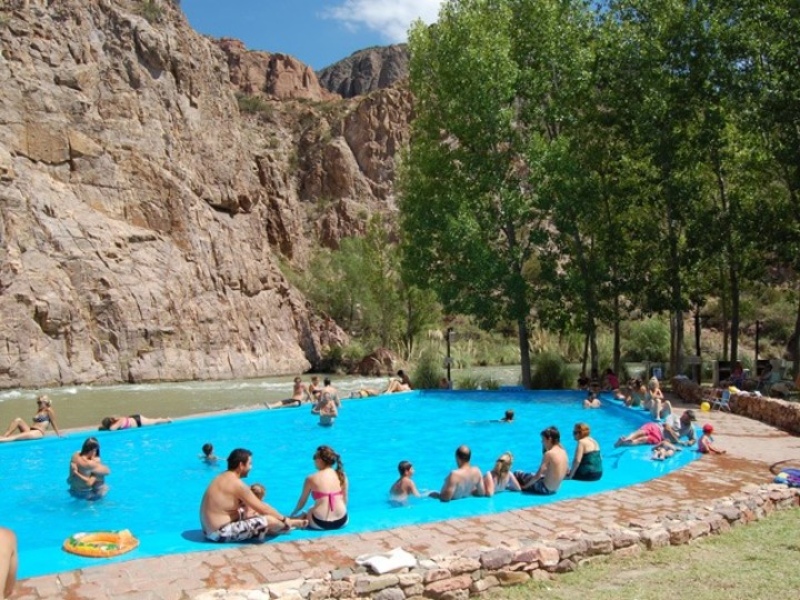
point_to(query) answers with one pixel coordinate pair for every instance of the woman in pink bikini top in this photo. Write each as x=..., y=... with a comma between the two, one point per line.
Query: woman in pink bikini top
x=328, y=488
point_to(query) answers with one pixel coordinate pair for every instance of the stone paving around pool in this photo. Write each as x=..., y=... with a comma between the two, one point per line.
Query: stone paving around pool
x=326, y=567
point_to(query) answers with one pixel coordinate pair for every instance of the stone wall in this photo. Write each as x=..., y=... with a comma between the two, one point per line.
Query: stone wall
x=473, y=572
x=773, y=411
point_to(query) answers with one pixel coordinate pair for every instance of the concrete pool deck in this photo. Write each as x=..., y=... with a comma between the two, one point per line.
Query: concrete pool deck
x=752, y=447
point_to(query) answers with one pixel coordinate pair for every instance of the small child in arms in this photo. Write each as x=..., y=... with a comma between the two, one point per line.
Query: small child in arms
x=706, y=443
x=405, y=486
x=260, y=491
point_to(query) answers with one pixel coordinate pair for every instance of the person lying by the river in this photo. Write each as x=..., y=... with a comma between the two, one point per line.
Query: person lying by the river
x=43, y=418
x=131, y=422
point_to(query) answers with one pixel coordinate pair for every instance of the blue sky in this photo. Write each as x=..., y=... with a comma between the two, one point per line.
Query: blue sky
x=318, y=32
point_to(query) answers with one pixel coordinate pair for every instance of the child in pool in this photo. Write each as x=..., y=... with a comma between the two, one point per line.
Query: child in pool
x=208, y=454
x=665, y=449
x=405, y=486
x=706, y=443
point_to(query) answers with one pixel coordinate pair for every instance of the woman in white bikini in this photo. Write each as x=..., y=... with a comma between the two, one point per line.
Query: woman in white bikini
x=43, y=418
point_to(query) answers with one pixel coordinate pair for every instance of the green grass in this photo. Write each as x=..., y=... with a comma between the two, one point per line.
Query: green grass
x=754, y=562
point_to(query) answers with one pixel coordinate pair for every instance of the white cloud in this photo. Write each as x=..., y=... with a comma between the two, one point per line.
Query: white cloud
x=391, y=18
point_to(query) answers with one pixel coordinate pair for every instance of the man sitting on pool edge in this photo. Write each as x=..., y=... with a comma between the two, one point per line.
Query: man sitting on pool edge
x=552, y=470
x=462, y=482
x=227, y=493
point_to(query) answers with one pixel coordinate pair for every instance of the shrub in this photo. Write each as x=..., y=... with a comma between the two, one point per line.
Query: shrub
x=468, y=382
x=151, y=11
x=428, y=371
x=647, y=340
x=550, y=372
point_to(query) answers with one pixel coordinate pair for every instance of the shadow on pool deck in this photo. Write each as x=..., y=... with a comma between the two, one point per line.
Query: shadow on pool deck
x=752, y=448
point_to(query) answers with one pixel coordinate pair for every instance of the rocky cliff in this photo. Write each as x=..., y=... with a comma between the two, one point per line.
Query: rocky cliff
x=366, y=71
x=146, y=196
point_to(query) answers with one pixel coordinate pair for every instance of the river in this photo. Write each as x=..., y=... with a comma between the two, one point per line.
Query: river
x=85, y=406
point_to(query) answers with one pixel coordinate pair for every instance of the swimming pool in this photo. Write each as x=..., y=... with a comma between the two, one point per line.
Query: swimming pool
x=157, y=479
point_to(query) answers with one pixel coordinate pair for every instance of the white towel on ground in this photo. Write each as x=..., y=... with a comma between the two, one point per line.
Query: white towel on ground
x=386, y=562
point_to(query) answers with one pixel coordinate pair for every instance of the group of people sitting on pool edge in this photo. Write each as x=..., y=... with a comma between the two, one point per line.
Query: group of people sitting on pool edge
x=468, y=480
x=231, y=511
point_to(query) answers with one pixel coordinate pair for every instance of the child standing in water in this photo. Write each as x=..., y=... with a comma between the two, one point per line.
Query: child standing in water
x=208, y=454
x=405, y=486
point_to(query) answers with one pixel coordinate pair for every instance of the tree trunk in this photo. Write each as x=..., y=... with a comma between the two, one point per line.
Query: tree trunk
x=524, y=353
x=795, y=350
x=617, y=350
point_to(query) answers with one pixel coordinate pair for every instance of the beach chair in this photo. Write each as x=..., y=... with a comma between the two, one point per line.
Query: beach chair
x=723, y=402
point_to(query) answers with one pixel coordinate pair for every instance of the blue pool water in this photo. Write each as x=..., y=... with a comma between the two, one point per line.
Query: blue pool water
x=157, y=479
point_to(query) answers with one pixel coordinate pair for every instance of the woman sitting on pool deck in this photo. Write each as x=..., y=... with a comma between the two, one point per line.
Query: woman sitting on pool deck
x=587, y=464
x=328, y=488
x=41, y=420
x=131, y=422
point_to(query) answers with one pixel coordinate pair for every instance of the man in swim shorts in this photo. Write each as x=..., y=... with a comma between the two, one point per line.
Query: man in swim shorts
x=227, y=493
x=552, y=470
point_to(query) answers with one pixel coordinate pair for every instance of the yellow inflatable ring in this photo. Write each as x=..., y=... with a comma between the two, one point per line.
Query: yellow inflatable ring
x=101, y=544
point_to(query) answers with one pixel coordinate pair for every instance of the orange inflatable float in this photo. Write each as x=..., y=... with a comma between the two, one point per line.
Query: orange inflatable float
x=101, y=544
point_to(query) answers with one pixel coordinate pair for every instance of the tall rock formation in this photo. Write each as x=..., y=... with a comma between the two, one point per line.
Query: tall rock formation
x=366, y=71
x=138, y=211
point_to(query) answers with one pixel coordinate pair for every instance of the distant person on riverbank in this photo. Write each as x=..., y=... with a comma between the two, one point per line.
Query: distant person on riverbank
x=300, y=394
x=130, y=422
x=208, y=454
x=463, y=481
x=43, y=418
x=500, y=478
x=225, y=495
x=401, y=384
x=365, y=393
x=405, y=486
x=87, y=473
x=9, y=561
x=706, y=443
x=587, y=465
x=552, y=470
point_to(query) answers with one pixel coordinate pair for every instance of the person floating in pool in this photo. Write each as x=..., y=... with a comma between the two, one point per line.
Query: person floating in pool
x=587, y=465
x=43, y=418
x=664, y=450
x=328, y=487
x=706, y=443
x=130, y=422
x=552, y=470
x=508, y=417
x=87, y=473
x=227, y=493
x=500, y=478
x=208, y=454
x=405, y=486
x=463, y=481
